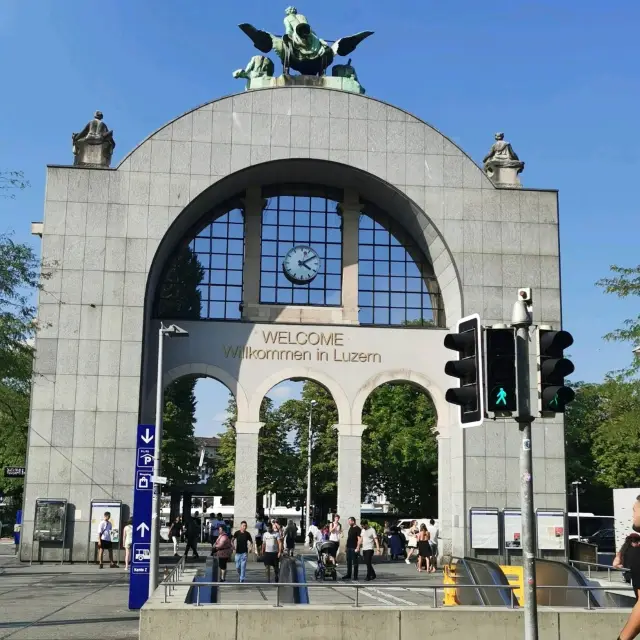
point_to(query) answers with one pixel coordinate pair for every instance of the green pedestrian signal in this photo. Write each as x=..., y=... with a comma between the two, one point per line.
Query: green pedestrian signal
x=501, y=369
x=554, y=401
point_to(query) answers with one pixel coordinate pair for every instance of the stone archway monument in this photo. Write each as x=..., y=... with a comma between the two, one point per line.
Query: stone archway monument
x=110, y=236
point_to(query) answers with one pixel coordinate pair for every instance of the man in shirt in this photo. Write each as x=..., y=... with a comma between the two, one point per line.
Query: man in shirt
x=313, y=535
x=368, y=539
x=242, y=543
x=272, y=552
x=104, y=539
x=353, y=541
x=434, y=535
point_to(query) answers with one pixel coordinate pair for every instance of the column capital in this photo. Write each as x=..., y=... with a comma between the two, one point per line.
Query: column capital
x=248, y=427
x=350, y=429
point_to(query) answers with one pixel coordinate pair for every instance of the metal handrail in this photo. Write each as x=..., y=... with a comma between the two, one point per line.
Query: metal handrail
x=358, y=587
x=608, y=567
x=169, y=578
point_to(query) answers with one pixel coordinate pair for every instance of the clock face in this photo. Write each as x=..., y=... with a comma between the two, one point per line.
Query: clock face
x=301, y=264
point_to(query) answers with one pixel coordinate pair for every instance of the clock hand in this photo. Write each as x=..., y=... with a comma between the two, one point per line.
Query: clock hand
x=304, y=262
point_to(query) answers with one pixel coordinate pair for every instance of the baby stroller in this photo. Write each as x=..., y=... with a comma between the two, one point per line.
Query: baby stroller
x=326, y=552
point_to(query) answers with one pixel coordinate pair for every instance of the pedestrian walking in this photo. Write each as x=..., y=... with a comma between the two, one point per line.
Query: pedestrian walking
x=434, y=536
x=354, y=541
x=127, y=534
x=424, y=548
x=632, y=628
x=104, y=540
x=242, y=542
x=271, y=552
x=261, y=528
x=175, y=534
x=192, y=532
x=368, y=540
x=223, y=549
x=214, y=530
x=290, y=533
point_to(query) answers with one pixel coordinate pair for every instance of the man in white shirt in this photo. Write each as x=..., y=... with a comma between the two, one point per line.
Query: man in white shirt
x=271, y=552
x=368, y=539
x=104, y=540
x=434, y=535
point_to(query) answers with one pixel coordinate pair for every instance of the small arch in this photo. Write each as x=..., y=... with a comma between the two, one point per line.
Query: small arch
x=202, y=370
x=339, y=396
x=402, y=375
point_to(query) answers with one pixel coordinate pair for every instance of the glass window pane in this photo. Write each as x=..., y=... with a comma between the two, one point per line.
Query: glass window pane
x=399, y=253
x=236, y=216
x=270, y=217
x=365, y=267
x=236, y=246
x=333, y=282
x=334, y=251
x=234, y=277
x=269, y=264
x=268, y=279
x=365, y=236
x=398, y=316
x=381, y=283
x=365, y=316
x=381, y=253
x=202, y=245
x=412, y=270
x=218, y=276
x=316, y=297
x=365, y=283
x=318, y=204
x=234, y=293
x=333, y=266
x=398, y=300
x=414, y=300
x=381, y=299
x=268, y=295
x=269, y=248
x=217, y=293
x=219, y=245
x=333, y=297
x=398, y=284
x=232, y=310
x=381, y=316
x=318, y=235
x=413, y=284
x=284, y=296
x=301, y=218
x=300, y=296
x=397, y=268
x=285, y=217
x=365, y=252
x=302, y=235
x=269, y=233
x=219, y=230
x=318, y=219
x=285, y=233
x=381, y=268
x=216, y=310
x=218, y=261
x=365, y=299
x=234, y=262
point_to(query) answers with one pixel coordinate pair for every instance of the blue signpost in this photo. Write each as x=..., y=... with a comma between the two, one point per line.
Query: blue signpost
x=142, y=521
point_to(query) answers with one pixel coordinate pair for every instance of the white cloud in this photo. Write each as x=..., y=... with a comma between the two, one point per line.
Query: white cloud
x=281, y=392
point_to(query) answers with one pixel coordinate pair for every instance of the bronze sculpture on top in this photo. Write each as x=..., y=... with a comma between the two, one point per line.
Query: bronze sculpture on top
x=303, y=51
x=94, y=145
x=502, y=165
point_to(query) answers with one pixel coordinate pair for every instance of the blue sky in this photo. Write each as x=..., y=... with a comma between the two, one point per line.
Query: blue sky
x=560, y=78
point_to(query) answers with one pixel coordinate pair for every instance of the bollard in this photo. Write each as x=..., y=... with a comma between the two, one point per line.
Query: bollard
x=357, y=596
x=277, y=595
x=435, y=598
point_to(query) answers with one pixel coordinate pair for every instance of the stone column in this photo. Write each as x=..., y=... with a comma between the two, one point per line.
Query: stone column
x=349, y=470
x=253, y=206
x=350, y=210
x=246, y=479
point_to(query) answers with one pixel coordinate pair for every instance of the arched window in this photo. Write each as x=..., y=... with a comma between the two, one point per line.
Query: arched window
x=204, y=278
x=396, y=285
x=291, y=220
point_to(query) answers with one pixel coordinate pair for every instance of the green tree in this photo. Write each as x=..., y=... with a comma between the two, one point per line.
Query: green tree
x=324, y=453
x=222, y=481
x=18, y=279
x=625, y=282
x=400, y=449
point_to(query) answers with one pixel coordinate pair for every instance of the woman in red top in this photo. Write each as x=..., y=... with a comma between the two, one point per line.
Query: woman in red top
x=223, y=549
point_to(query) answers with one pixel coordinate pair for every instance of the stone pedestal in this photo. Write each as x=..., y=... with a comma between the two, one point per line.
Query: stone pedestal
x=324, y=82
x=246, y=477
x=504, y=176
x=349, y=469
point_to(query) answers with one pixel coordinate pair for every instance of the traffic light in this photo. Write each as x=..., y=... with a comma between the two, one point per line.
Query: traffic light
x=500, y=356
x=469, y=396
x=554, y=395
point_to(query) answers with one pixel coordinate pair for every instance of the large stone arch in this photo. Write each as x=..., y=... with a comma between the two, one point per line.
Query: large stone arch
x=403, y=375
x=339, y=397
x=203, y=370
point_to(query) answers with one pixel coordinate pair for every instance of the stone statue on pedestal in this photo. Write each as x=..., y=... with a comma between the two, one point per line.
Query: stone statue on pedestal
x=348, y=74
x=94, y=145
x=501, y=164
x=300, y=48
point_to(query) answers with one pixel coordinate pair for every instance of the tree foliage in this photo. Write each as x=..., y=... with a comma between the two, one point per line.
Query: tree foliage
x=624, y=283
x=18, y=280
x=400, y=449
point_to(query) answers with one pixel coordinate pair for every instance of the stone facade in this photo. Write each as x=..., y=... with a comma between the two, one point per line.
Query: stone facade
x=107, y=234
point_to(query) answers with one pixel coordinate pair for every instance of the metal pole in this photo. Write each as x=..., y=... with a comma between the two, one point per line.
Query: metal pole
x=307, y=522
x=578, y=510
x=155, y=505
x=522, y=320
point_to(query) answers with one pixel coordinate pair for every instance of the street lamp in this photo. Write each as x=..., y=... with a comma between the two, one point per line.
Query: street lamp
x=307, y=521
x=172, y=331
x=576, y=484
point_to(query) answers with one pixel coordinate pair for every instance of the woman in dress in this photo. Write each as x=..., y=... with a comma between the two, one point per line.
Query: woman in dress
x=424, y=548
x=412, y=542
x=127, y=540
x=223, y=549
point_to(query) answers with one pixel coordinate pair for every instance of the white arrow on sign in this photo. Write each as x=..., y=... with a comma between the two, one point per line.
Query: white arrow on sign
x=142, y=527
x=147, y=437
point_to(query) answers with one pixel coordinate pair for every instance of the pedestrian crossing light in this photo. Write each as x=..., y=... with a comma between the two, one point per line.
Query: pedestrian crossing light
x=553, y=394
x=468, y=368
x=500, y=356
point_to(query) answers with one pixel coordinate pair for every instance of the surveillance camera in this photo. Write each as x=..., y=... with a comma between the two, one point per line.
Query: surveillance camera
x=524, y=294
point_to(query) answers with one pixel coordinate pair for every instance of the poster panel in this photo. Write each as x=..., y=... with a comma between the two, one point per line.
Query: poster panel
x=98, y=509
x=50, y=520
x=485, y=533
x=551, y=530
x=512, y=529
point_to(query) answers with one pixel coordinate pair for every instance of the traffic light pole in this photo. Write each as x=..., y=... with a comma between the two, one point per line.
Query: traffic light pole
x=521, y=321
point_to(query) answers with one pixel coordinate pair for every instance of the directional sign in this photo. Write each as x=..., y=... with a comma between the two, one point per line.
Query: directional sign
x=145, y=458
x=159, y=479
x=142, y=500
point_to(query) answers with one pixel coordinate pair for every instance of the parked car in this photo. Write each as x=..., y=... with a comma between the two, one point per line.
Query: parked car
x=605, y=539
